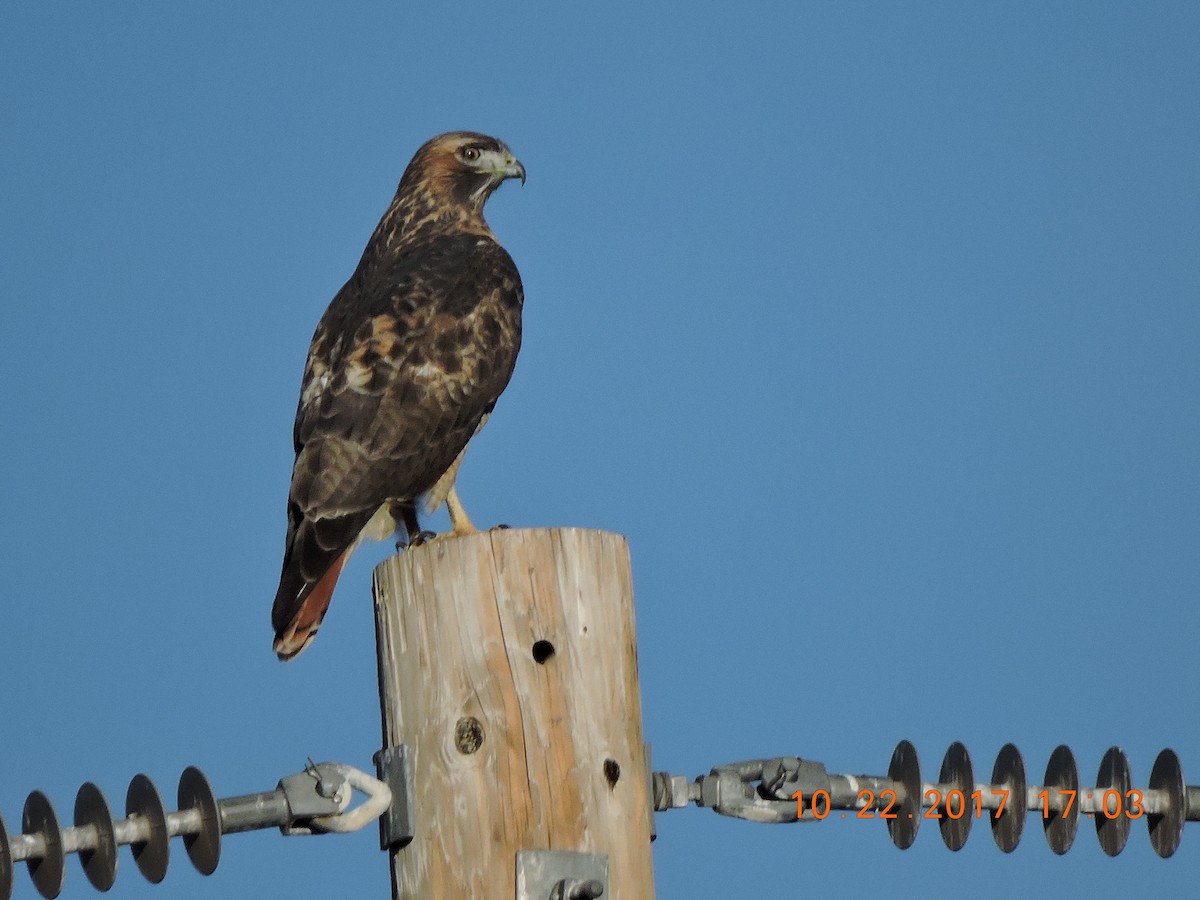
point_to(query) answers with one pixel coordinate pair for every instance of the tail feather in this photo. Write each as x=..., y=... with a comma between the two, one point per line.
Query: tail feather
x=297, y=621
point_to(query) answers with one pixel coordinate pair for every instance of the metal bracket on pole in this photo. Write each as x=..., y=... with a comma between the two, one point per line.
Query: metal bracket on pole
x=561, y=875
x=650, y=793
x=396, y=825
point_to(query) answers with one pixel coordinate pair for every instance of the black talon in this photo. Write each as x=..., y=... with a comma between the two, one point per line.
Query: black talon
x=415, y=540
x=501, y=527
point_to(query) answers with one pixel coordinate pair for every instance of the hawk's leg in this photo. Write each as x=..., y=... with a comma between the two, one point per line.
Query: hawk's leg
x=445, y=492
x=407, y=513
x=459, y=520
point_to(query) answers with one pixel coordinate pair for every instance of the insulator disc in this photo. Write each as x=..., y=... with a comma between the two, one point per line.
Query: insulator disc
x=1113, y=783
x=99, y=865
x=153, y=854
x=48, y=872
x=958, y=781
x=6, y=872
x=905, y=769
x=204, y=847
x=1062, y=786
x=1009, y=775
x=1166, y=830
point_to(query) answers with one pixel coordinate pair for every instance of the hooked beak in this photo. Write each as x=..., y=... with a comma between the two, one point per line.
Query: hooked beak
x=513, y=168
x=498, y=166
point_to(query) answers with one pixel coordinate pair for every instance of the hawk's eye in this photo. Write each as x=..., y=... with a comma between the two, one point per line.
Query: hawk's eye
x=470, y=154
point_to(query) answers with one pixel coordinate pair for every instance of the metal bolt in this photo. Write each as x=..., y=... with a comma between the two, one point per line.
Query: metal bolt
x=585, y=890
x=326, y=786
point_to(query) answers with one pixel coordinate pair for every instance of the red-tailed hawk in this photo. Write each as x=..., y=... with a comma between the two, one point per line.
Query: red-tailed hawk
x=405, y=366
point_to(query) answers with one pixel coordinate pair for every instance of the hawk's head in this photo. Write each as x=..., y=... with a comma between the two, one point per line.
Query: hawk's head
x=462, y=167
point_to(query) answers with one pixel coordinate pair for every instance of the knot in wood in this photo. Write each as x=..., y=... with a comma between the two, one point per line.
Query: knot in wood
x=468, y=734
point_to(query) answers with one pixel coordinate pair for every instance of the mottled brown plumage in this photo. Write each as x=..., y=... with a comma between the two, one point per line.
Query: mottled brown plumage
x=404, y=367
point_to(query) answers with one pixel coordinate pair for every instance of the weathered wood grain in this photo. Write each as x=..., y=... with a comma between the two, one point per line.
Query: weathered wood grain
x=508, y=665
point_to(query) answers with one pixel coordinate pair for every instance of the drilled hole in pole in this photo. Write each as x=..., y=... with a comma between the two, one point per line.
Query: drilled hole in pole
x=542, y=651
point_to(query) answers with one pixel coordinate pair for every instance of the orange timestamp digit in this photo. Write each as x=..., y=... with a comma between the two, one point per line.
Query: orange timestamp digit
x=820, y=804
x=813, y=803
x=867, y=811
x=1113, y=807
x=956, y=804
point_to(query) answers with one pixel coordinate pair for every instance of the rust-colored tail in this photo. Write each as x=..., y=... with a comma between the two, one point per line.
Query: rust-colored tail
x=296, y=628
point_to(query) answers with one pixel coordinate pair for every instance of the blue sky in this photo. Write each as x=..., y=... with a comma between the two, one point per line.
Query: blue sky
x=873, y=326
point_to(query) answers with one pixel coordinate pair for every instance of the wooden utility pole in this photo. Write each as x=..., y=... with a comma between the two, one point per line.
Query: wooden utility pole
x=508, y=666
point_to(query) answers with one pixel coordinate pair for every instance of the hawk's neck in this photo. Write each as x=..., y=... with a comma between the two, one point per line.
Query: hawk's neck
x=417, y=213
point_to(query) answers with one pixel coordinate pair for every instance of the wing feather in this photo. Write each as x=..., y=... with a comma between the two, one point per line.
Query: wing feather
x=403, y=368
